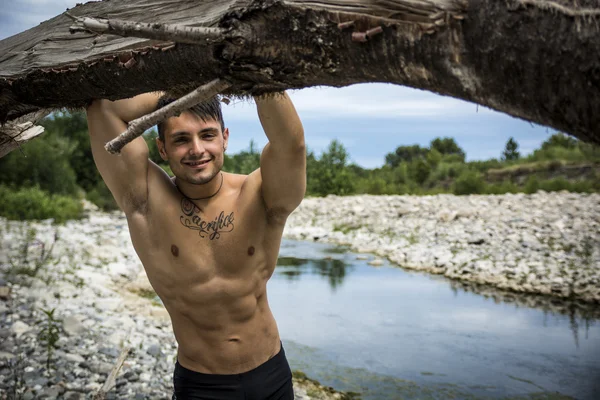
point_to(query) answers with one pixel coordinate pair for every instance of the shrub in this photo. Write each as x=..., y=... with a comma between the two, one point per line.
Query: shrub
x=469, y=182
x=501, y=188
x=34, y=203
x=532, y=185
x=102, y=197
x=43, y=163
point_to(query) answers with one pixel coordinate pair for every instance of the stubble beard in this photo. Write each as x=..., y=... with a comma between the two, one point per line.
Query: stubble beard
x=202, y=179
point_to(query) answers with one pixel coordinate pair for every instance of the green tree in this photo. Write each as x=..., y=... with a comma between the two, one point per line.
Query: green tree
x=510, y=152
x=72, y=127
x=447, y=146
x=420, y=171
x=405, y=154
x=43, y=162
x=560, y=140
x=153, y=153
x=330, y=174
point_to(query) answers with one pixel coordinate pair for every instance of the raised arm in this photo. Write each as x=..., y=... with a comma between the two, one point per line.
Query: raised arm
x=283, y=161
x=126, y=175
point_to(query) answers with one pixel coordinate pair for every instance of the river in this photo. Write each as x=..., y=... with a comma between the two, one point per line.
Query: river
x=387, y=333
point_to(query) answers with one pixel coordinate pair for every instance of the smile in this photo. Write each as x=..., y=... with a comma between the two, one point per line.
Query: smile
x=199, y=163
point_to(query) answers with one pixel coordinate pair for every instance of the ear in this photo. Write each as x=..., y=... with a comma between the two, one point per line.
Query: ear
x=225, y=138
x=161, y=149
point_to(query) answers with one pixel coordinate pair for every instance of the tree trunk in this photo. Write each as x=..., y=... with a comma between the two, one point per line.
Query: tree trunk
x=533, y=59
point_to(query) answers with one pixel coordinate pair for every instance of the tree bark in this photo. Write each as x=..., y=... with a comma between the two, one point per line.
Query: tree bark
x=538, y=60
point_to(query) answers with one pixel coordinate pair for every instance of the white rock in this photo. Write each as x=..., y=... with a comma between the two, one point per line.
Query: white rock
x=19, y=328
x=376, y=263
x=74, y=358
x=72, y=326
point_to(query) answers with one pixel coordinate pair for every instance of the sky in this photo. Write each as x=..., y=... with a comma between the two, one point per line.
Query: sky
x=370, y=120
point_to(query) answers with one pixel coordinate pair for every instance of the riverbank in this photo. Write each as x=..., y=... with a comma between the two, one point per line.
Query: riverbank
x=545, y=243
x=72, y=298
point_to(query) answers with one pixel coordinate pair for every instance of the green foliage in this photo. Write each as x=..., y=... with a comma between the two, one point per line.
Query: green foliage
x=72, y=127
x=447, y=146
x=560, y=140
x=469, y=182
x=329, y=174
x=34, y=203
x=501, y=188
x=405, y=154
x=510, y=152
x=49, y=334
x=153, y=153
x=101, y=196
x=244, y=162
x=43, y=163
x=419, y=171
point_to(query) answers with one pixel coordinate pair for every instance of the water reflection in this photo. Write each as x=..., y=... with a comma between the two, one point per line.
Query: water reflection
x=333, y=269
x=578, y=312
x=425, y=330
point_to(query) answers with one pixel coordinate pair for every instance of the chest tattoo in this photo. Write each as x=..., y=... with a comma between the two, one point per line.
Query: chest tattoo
x=212, y=229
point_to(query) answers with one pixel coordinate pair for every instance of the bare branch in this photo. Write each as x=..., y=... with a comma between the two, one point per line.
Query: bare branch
x=110, y=381
x=570, y=11
x=173, y=32
x=139, y=126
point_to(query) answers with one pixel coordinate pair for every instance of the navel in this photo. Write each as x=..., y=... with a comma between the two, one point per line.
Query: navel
x=174, y=250
x=251, y=250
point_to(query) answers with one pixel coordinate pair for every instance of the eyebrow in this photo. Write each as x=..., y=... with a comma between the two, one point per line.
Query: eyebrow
x=186, y=133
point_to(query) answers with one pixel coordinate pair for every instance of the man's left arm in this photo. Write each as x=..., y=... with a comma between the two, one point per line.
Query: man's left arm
x=283, y=160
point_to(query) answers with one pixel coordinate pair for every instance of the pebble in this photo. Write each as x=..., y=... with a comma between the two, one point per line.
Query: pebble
x=483, y=239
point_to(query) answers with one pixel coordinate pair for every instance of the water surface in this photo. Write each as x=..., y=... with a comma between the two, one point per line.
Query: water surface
x=388, y=333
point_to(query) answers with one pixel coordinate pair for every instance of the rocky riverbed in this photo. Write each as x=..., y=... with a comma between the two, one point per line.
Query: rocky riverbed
x=544, y=243
x=72, y=299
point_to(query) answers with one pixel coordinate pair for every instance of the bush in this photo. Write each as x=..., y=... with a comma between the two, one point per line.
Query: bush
x=34, y=203
x=447, y=170
x=469, y=182
x=502, y=188
x=102, y=197
x=44, y=163
x=532, y=185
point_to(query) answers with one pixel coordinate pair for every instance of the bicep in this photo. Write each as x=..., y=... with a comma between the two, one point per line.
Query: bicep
x=124, y=174
x=283, y=174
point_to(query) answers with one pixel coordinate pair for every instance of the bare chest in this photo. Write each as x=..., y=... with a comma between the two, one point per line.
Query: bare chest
x=221, y=240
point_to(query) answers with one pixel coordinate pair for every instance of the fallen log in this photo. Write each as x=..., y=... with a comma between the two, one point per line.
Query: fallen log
x=538, y=60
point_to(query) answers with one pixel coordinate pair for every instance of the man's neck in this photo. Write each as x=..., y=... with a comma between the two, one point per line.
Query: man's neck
x=203, y=191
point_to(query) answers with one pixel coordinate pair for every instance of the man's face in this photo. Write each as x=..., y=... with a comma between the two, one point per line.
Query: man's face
x=194, y=148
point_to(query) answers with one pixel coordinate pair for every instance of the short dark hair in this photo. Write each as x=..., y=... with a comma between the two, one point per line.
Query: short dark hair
x=209, y=109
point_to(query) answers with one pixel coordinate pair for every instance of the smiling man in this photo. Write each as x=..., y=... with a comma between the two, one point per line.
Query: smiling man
x=208, y=239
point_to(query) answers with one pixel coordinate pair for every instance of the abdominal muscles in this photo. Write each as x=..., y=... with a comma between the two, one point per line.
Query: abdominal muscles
x=222, y=325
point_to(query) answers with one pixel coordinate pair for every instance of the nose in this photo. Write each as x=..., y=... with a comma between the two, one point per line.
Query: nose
x=197, y=147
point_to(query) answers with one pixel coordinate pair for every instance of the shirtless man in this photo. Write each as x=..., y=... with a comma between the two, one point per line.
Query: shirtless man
x=209, y=240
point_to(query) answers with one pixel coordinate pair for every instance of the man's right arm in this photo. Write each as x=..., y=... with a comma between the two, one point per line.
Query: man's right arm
x=126, y=175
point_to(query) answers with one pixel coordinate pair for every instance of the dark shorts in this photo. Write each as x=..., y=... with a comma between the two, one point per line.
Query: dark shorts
x=271, y=380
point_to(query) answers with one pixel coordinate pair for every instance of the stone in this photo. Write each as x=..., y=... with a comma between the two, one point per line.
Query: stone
x=376, y=263
x=110, y=351
x=4, y=355
x=4, y=292
x=19, y=328
x=74, y=358
x=72, y=326
x=154, y=350
x=73, y=396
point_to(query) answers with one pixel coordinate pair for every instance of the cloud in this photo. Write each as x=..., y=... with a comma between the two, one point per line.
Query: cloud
x=373, y=100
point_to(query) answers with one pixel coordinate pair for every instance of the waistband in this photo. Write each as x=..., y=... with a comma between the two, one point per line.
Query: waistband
x=264, y=368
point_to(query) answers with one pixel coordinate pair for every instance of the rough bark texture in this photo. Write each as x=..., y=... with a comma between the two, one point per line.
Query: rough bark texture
x=533, y=59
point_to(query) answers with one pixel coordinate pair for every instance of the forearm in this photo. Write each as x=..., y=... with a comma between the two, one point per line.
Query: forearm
x=280, y=120
x=129, y=109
